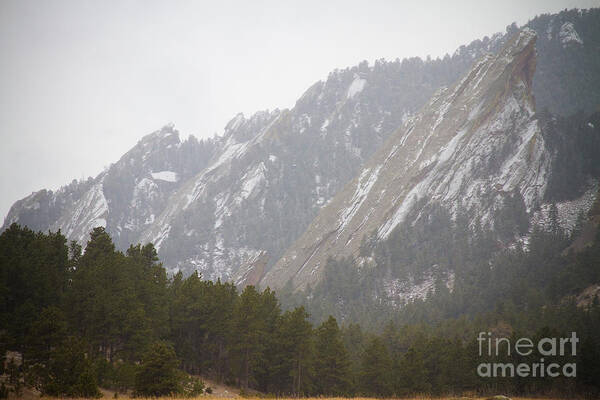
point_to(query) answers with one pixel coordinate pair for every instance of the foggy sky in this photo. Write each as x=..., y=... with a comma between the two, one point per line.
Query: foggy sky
x=82, y=81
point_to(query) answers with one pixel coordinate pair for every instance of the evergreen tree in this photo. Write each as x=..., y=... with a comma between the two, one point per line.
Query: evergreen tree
x=157, y=374
x=68, y=372
x=247, y=336
x=46, y=334
x=332, y=366
x=376, y=367
x=294, y=352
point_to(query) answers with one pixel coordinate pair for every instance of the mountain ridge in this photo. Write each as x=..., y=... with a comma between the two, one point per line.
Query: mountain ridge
x=263, y=194
x=405, y=169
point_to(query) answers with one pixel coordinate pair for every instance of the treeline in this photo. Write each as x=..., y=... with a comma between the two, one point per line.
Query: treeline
x=115, y=320
x=471, y=270
x=474, y=265
x=480, y=282
x=103, y=317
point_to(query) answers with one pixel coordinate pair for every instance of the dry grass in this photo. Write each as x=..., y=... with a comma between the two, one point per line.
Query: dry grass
x=210, y=397
x=107, y=394
x=346, y=398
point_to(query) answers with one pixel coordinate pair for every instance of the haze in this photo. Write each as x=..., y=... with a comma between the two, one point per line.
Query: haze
x=81, y=81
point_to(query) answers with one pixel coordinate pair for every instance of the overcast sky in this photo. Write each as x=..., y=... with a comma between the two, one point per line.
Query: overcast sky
x=82, y=81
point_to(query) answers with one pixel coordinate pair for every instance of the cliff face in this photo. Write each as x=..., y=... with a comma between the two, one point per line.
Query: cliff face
x=469, y=146
x=230, y=206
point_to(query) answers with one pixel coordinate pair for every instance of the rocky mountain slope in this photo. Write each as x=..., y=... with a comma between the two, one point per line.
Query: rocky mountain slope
x=124, y=197
x=272, y=171
x=468, y=147
x=231, y=206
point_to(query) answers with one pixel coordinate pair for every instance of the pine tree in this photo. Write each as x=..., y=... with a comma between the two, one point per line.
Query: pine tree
x=157, y=374
x=412, y=376
x=294, y=352
x=46, y=333
x=332, y=366
x=376, y=367
x=69, y=372
x=188, y=313
x=247, y=341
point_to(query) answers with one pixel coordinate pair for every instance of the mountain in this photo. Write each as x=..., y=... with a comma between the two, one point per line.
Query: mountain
x=467, y=148
x=272, y=171
x=232, y=205
x=124, y=197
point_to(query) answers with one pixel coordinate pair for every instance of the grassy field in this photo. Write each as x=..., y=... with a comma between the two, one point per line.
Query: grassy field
x=221, y=397
x=211, y=397
x=205, y=397
x=224, y=392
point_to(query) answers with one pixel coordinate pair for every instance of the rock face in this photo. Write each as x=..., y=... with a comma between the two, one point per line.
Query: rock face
x=271, y=175
x=222, y=205
x=467, y=148
x=232, y=205
x=229, y=204
x=124, y=198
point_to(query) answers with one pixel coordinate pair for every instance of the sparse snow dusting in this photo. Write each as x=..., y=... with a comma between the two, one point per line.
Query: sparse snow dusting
x=567, y=210
x=89, y=212
x=568, y=34
x=235, y=123
x=401, y=292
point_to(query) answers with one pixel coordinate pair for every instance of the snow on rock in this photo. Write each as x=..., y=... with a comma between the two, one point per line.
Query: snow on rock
x=549, y=29
x=357, y=86
x=89, y=212
x=221, y=189
x=235, y=123
x=144, y=189
x=467, y=147
x=214, y=262
x=232, y=151
x=168, y=176
x=365, y=182
x=145, y=193
x=567, y=210
x=568, y=34
x=252, y=180
x=404, y=291
x=164, y=233
x=33, y=206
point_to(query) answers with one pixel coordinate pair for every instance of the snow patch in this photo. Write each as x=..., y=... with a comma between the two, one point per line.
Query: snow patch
x=357, y=86
x=168, y=176
x=252, y=180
